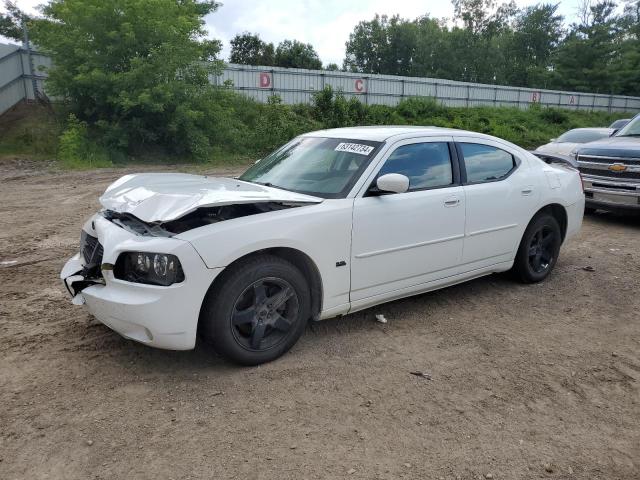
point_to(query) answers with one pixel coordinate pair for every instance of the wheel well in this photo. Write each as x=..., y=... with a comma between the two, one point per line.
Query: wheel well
x=297, y=258
x=559, y=213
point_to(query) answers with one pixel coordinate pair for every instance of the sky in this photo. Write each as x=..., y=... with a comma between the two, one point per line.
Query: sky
x=325, y=24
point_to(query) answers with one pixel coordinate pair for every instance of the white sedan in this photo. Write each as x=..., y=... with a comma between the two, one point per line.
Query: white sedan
x=568, y=143
x=333, y=222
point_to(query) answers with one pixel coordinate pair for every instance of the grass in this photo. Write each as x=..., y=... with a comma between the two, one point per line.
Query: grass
x=30, y=130
x=43, y=132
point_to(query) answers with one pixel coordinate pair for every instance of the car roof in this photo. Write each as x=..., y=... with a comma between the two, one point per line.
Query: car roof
x=383, y=133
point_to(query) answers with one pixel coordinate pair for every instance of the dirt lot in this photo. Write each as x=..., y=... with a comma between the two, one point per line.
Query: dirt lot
x=537, y=381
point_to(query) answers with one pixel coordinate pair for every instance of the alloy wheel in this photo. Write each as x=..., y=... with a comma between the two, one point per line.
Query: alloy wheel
x=264, y=314
x=541, y=248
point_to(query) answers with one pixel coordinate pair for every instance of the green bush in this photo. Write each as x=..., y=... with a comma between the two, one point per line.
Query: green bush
x=137, y=72
x=420, y=107
x=76, y=150
x=222, y=126
x=554, y=115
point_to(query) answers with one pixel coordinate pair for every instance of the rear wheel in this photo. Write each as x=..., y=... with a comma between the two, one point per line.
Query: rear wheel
x=539, y=249
x=258, y=310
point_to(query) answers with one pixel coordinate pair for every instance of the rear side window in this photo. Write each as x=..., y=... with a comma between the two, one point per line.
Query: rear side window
x=485, y=163
x=428, y=165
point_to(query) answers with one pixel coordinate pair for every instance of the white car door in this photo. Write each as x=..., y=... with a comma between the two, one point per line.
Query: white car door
x=406, y=239
x=501, y=197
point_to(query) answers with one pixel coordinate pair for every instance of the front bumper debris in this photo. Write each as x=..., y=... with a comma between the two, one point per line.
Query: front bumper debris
x=159, y=316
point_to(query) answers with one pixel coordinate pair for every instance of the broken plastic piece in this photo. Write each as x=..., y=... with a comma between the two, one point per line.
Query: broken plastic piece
x=381, y=318
x=421, y=374
x=78, y=300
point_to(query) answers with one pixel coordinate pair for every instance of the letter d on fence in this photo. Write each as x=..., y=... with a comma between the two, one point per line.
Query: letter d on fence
x=265, y=80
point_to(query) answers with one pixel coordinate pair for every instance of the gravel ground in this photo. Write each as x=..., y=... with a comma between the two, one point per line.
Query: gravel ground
x=538, y=381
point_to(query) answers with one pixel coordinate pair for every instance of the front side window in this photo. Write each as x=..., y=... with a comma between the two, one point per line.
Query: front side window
x=427, y=165
x=324, y=167
x=484, y=163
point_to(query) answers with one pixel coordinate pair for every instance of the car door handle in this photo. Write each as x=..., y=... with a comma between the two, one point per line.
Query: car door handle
x=527, y=191
x=452, y=202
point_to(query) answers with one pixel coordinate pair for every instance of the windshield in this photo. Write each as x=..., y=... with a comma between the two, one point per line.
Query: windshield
x=582, y=136
x=323, y=167
x=631, y=129
x=619, y=123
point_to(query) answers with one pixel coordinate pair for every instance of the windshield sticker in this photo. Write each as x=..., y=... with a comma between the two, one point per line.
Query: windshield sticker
x=354, y=148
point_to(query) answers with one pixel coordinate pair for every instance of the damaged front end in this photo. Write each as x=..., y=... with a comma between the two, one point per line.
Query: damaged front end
x=195, y=219
x=85, y=268
x=136, y=274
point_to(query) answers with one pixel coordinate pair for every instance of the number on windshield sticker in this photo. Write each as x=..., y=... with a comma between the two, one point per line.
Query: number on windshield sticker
x=354, y=148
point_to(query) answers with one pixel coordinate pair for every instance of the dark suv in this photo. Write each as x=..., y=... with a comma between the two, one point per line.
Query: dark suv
x=610, y=170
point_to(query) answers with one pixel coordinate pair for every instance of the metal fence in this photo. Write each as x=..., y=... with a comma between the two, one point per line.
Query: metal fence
x=20, y=74
x=295, y=85
x=21, y=77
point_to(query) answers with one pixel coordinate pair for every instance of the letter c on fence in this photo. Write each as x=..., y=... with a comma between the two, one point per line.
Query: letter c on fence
x=265, y=79
x=359, y=85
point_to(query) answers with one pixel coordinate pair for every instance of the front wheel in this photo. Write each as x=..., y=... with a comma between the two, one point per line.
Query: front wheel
x=539, y=249
x=258, y=310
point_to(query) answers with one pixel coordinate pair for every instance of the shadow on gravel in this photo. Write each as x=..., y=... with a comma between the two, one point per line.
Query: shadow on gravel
x=617, y=219
x=203, y=359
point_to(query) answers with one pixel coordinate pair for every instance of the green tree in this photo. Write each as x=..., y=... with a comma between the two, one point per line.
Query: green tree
x=536, y=34
x=295, y=54
x=627, y=65
x=481, y=42
x=136, y=71
x=250, y=49
x=367, y=49
x=332, y=67
x=11, y=21
x=382, y=45
x=585, y=58
x=432, y=55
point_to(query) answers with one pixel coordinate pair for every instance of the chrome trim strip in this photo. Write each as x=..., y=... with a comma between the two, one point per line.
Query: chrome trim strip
x=637, y=159
x=494, y=229
x=605, y=166
x=407, y=247
x=622, y=193
x=611, y=180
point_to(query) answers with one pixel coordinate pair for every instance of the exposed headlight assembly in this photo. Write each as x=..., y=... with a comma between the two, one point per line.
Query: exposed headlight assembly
x=150, y=268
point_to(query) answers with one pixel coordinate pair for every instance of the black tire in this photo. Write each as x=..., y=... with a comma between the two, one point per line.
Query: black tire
x=257, y=311
x=538, y=250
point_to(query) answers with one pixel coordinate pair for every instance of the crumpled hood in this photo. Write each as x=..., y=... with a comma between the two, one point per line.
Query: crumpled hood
x=614, y=147
x=162, y=197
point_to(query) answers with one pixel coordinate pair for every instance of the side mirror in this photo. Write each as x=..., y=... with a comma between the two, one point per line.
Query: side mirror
x=393, y=182
x=615, y=130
